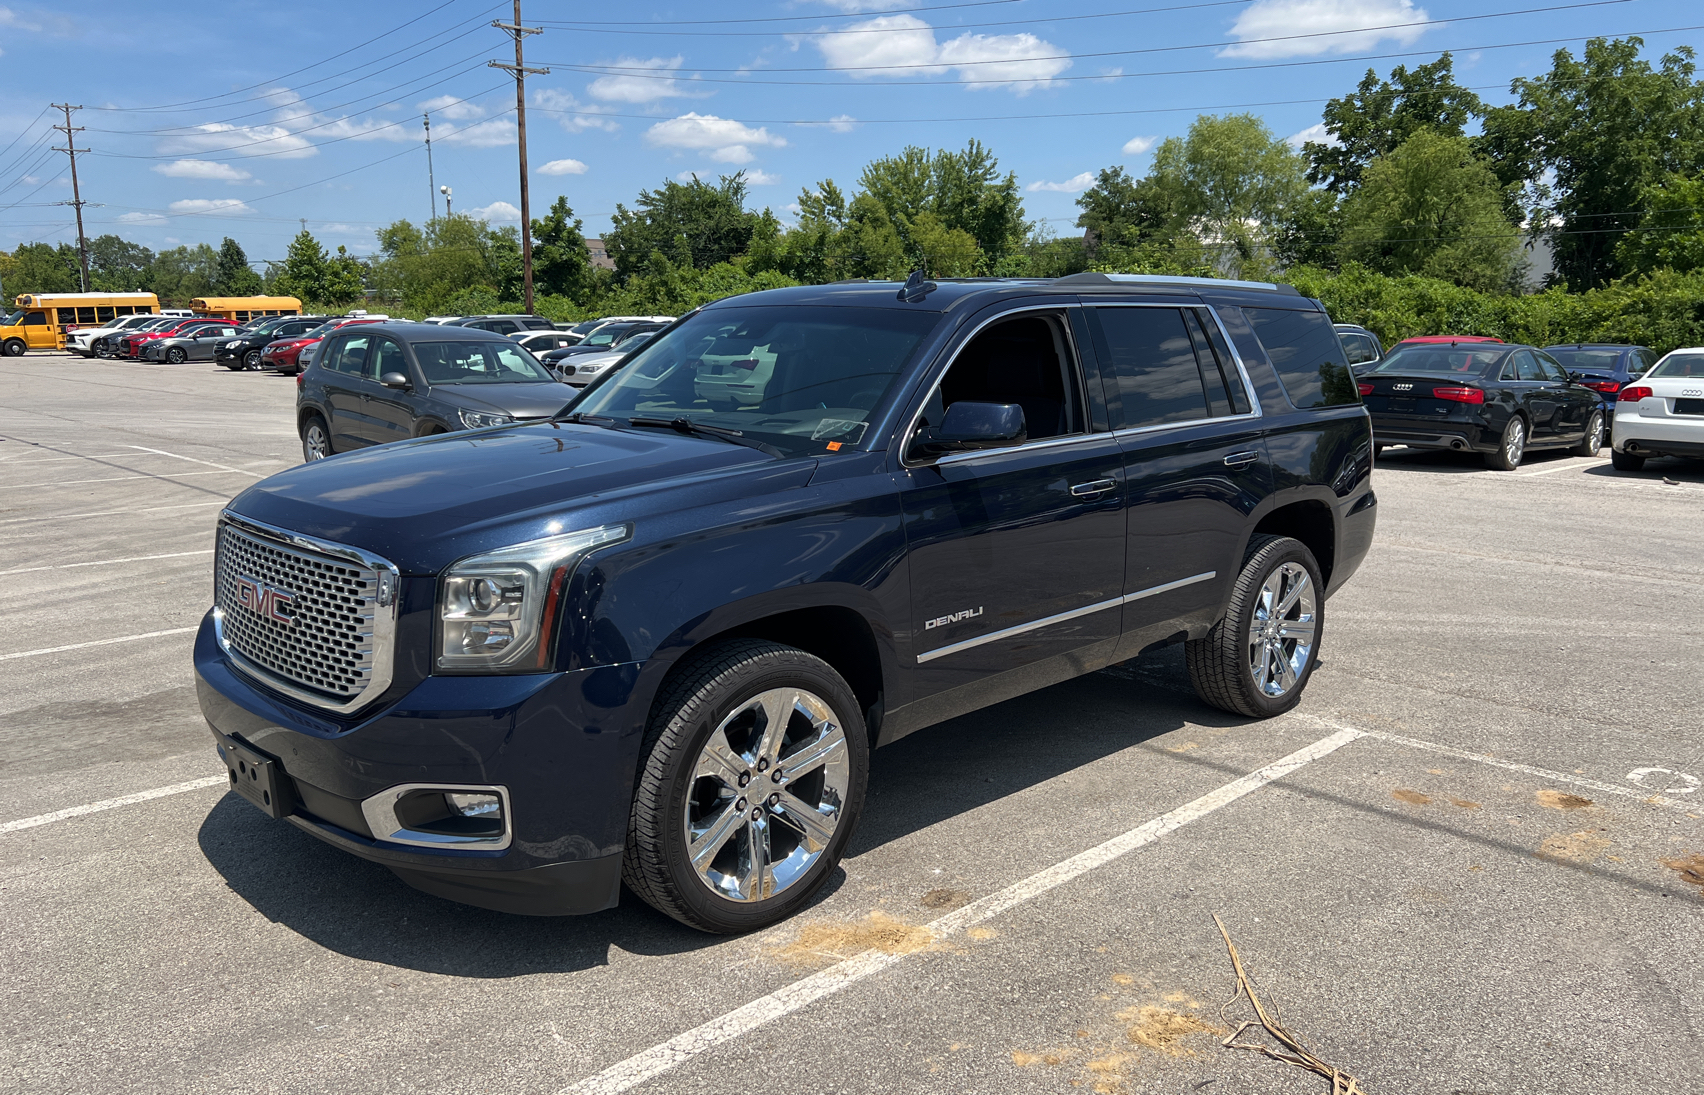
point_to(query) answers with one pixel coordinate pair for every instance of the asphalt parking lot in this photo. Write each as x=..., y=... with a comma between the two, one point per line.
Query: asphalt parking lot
x=1472, y=862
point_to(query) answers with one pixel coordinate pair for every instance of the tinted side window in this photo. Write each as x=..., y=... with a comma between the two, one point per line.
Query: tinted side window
x=348, y=356
x=1307, y=354
x=1153, y=364
x=1553, y=369
x=387, y=358
x=1526, y=366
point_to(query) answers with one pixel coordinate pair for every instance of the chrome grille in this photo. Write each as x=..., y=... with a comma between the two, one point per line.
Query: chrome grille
x=307, y=619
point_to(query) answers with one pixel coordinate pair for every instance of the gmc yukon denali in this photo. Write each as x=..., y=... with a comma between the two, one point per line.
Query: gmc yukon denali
x=652, y=639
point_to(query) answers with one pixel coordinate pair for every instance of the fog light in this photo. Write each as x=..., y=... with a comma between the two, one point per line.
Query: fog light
x=488, y=638
x=474, y=805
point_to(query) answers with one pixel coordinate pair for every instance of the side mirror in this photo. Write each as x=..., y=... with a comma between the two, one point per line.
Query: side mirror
x=967, y=427
x=396, y=380
x=1575, y=378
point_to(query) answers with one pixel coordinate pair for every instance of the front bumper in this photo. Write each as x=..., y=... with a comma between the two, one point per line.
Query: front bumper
x=563, y=744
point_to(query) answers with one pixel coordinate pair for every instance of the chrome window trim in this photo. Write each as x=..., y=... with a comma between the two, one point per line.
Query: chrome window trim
x=1099, y=606
x=1249, y=393
x=1070, y=339
x=380, y=813
x=1044, y=443
x=384, y=616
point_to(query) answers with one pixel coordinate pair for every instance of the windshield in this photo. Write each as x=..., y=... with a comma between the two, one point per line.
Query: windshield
x=479, y=363
x=15, y=318
x=1686, y=363
x=1436, y=360
x=803, y=379
x=634, y=341
x=322, y=330
x=604, y=337
x=583, y=327
x=1595, y=361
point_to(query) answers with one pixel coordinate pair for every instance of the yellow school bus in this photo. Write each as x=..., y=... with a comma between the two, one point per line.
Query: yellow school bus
x=40, y=320
x=243, y=309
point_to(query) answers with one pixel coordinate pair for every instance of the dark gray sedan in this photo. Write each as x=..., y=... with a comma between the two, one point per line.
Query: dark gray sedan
x=198, y=345
x=381, y=382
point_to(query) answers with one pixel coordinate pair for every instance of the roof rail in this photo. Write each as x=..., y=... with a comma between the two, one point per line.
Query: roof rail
x=1091, y=278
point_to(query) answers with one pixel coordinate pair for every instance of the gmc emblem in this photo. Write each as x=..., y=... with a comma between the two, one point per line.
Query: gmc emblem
x=268, y=602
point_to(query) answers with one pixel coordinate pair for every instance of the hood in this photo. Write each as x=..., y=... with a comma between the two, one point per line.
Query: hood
x=425, y=502
x=531, y=400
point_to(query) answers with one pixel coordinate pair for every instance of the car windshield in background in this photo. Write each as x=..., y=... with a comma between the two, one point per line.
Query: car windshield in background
x=1587, y=361
x=1434, y=360
x=479, y=363
x=321, y=331
x=600, y=338
x=797, y=378
x=1679, y=364
x=14, y=319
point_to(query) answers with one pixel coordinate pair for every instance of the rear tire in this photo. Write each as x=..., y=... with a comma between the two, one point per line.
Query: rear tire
x=717, y=775
x=1593, y=441
x=316, y=439
x=15, y=347
x=1258, y=658
x=1510, y=448
x=1625, y=461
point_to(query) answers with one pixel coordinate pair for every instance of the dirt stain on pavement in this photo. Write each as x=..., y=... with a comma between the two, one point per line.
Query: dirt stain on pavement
x=1581, y=847
x=1164, y=1030
x=1413, y=798
x=1690, y=869
x=1465, y=804
x=982, y=935
x=835, y=941
x=1561, y=800
x=1046, y=1057
x=945, y=899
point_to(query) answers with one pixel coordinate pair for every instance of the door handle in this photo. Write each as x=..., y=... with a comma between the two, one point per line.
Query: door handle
x=1089, y=490
x=1238, y=459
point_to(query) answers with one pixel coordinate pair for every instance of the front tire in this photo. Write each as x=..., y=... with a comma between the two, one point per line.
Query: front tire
x=15, y=347
x=316, y=439
x=251, y=360
x=1593, y=441
x=1510, y=448
x=1625, y=461
x=176, y=355
x=751, y=780
x=1258, y=658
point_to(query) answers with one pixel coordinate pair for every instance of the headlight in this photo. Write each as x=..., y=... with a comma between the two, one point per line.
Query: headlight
x=497, y=612
x=232, y=345
x=475, y=420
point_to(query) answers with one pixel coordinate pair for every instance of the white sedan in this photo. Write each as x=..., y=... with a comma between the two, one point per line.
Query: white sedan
x=1662, y=412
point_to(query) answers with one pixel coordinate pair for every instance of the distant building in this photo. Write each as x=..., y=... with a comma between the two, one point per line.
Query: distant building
x=1540, y=261
x=600, y=257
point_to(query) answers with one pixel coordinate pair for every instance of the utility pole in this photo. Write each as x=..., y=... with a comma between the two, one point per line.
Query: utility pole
x=445, y=191
x=76, y=201
x=520, y=70
x=431, y=181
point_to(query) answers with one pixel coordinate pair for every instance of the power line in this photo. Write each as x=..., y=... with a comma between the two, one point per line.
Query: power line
x=588, y=28
x=794, y=18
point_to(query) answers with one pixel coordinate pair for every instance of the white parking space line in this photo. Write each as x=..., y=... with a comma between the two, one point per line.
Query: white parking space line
x=167, y=477
x=107, y=562
x=108, y=512
x=67, y=459
x=1561, y=467
x=655, y=1061
x=113, y=803
x=194, y=460
x=97, y=642
x=1525, y=769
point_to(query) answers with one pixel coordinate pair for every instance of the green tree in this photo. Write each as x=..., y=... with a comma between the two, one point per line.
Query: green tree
x=40, y=268
x=427, y=267
x=1126, y=212
x=963, y=191
x=184, y=273
x=118, y=266
x=344, y=282
x=1432, y=207
x=1379, y=115
x=1671, y=234
x=304, y=271
x=693, y=224
x=1233, y=183
x=1588, y=138
x=561, y=263
x=235, y=278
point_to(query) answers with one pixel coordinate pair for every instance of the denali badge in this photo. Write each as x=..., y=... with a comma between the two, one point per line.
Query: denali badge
x=268, y=601
x=1402, y=387
x=943, y=621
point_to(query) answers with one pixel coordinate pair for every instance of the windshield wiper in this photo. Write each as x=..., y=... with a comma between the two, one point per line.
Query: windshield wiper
x=699, y=429
x=582, y=418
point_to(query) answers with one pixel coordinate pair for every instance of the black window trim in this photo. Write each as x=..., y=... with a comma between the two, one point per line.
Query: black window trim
x=1236, y=356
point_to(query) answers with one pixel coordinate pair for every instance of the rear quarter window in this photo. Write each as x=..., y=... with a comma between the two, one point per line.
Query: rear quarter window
x=1308, y=355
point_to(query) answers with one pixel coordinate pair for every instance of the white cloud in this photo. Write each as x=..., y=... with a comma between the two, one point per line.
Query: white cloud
x=760, y=177
x=1076, y=184
x=1021, y=62
x=452, y=108
x=488, y=134
x=497, y=213
x=273, y=140
x=726, y=140
x=571, y=113
x=201, y=169
x=210, y=205
x=1273, y=19
x=840, y=123
x=863, y=5
x=1135, y=146
x=1316, y=133
x=653, y=80
x=141, y=218
x=563, y=167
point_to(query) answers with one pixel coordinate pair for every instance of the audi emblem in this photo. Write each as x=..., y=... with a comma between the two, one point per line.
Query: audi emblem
x=1402, y=387
x=1690, y=393
x=267, y=602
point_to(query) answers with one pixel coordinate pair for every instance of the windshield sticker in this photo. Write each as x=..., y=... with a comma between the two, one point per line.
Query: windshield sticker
x=841, y=429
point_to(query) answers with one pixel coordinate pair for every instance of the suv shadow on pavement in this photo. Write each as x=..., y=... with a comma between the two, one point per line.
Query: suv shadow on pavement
x=360, y=909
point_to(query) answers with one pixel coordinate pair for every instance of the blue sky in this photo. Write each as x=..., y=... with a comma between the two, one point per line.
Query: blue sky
x=246, y=119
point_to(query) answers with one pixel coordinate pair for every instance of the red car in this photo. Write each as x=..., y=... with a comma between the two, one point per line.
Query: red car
x=1446, y=338
x=285, y=355
x=131, y=344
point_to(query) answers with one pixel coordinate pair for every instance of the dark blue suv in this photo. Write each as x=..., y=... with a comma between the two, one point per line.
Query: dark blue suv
x=654, y=638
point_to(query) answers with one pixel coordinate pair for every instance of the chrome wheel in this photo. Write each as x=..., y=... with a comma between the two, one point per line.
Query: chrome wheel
x=315, y=444
x=1514, y=442
x=766, y=794
x=1282, y=630
x=251, y=360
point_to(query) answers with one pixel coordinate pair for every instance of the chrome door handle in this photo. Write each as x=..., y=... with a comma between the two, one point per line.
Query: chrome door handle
x=1088, y=490
x=1238, y=459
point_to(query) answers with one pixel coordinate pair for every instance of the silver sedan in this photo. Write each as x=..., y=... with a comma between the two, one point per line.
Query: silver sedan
x=197, y=346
